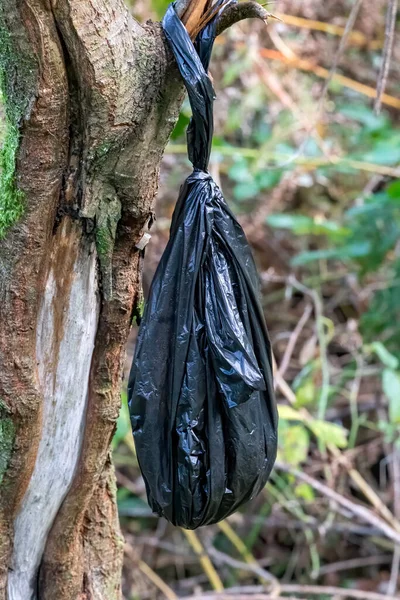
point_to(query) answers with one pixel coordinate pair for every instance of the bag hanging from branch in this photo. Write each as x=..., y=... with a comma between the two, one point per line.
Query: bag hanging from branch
x=200, y=389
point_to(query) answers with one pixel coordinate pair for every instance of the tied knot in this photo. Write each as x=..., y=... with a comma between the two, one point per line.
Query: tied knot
x=193, y=61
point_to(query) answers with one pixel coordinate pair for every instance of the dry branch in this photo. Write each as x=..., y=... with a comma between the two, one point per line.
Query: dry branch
x=238, y=12
x=387, y=53
x=357, y=510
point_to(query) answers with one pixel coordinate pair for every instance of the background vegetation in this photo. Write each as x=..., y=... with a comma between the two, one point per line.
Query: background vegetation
x=312, y=171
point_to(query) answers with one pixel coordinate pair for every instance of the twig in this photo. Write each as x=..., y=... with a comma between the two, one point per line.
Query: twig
x=353, y=400
x=365, y=488
x=319, y=317
x=293, y=340
x=204, y=559
x=394, y=572
x=307, y=65
x=342, y=47
x=369, y=493
x=356, y=509
x=238, y=543
x=240, y=11
x=281, y=384
x=281, y=45
x=256, y=593
x=265, y=576
x=387, y=53
x=395, y=471
x=240, y=593
x=354, y=563
x=150, y=574
x=317, y=162
x=242, y=596
x=356, y=37
x=196, y=14
x=316, y=590
x=155, y=542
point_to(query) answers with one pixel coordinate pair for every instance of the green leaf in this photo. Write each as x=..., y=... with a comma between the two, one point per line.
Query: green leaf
x=294, y=443
x=356, y=250
x=391, y=388
x=311, y=148
x=267, y=179
x=302, y=225
x=246, y=191
x=304, y=491
x=305, y=394
x=240, y=171
x=384, y=355
x=393, y=190
x=296, y=223
x=385, y=152
x=363, y=114
x=289, y=414
x=329, y=433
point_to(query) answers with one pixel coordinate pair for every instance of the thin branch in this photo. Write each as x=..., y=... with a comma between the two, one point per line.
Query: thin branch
x=354, y=563
x=316, y=590
x=356, y=509
x=342, y=47
x=240, y=546
x=225, y=559
x=308, y=65
x=256, y=593
x=243, y=596
x=356, y=38
x=245, y=592
x=150, y=574
x=293, y=340
x=387, y=53
x=395, y=472
x=238, y=12
x=204, y=559
x=394, y=572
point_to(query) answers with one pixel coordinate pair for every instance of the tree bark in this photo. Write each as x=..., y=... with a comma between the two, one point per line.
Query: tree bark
x=91, y=97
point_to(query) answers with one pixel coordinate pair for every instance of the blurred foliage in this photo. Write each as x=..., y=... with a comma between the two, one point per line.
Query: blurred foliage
x=315, y=182
x=365, y=238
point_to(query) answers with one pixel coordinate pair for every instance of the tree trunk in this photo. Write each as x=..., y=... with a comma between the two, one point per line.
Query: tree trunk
x=91, y=97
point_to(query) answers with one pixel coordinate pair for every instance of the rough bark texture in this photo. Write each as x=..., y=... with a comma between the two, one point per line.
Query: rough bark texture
x=91, y=98
x=95, y=114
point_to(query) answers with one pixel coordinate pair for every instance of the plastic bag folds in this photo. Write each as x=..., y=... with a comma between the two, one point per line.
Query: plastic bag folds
x=200, y=389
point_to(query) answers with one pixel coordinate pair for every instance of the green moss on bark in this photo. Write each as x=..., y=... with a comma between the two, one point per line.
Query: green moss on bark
x=11, y=198
x=107, y=218
x=17, y=84
x=7, y=437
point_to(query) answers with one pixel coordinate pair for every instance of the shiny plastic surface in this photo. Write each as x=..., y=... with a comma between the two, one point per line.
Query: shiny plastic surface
x=200, y=390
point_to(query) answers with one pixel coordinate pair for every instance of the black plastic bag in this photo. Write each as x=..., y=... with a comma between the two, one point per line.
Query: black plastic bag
x=200, y=390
